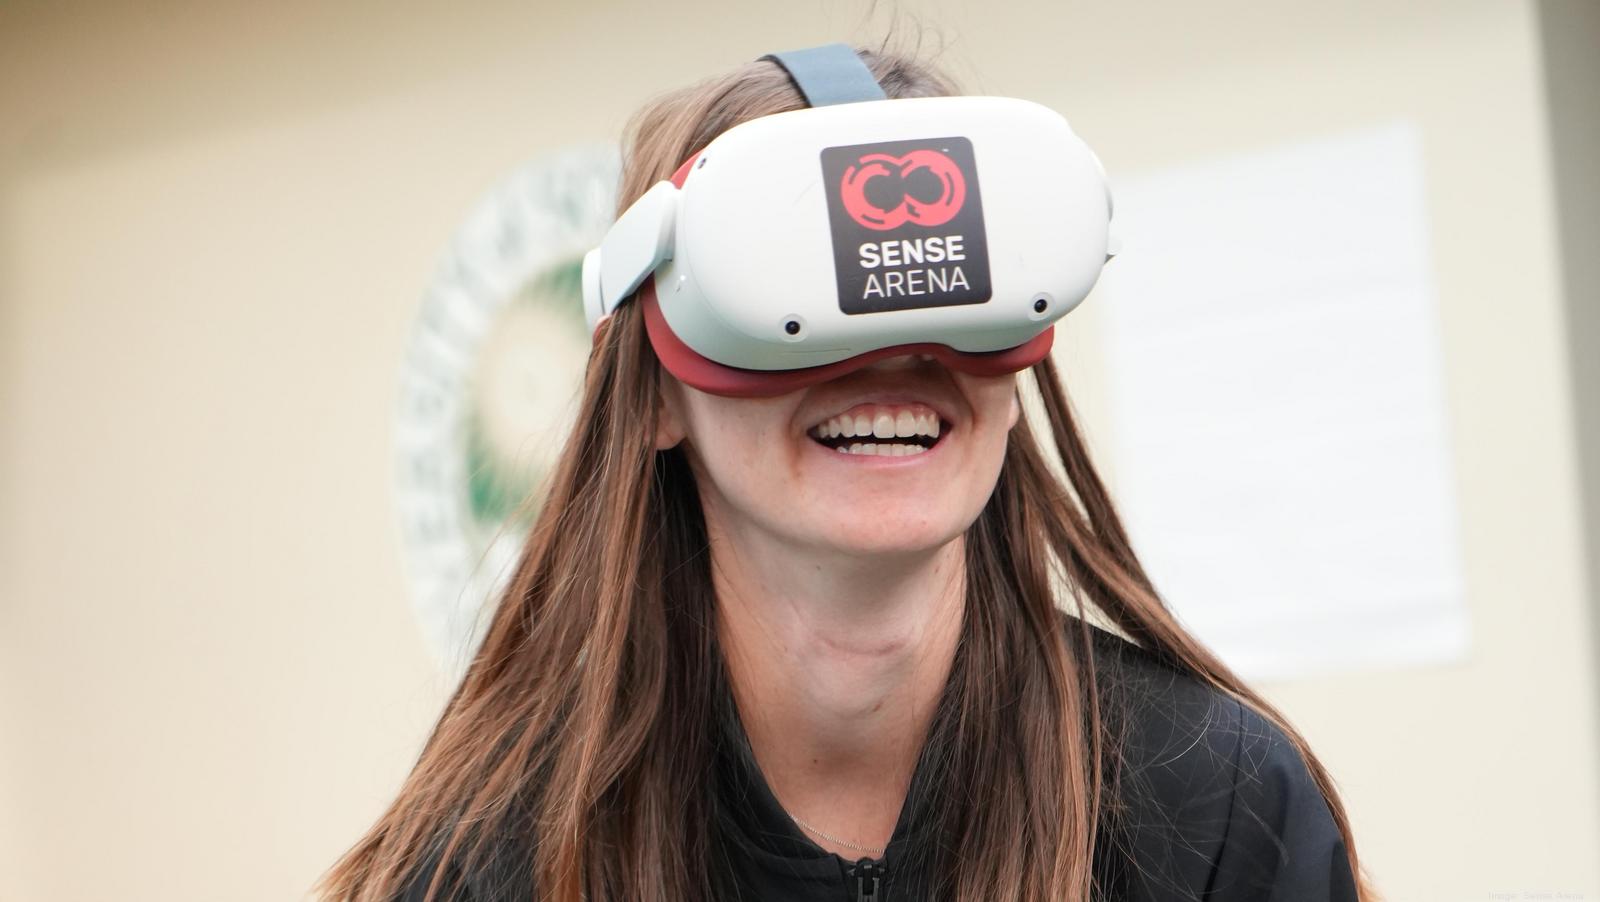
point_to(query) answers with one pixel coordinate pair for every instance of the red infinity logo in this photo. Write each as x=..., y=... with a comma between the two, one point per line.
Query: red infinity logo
x=884, y=192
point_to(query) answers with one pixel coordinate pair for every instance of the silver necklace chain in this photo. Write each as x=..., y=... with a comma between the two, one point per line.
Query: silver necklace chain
x=834, y=839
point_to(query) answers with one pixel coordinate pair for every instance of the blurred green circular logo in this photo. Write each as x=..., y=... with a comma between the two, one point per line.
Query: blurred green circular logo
x=489, y=385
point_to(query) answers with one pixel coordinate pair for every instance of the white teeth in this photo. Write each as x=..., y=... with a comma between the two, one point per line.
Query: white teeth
x=881, y=423
x=882, y=449
x=905, y=424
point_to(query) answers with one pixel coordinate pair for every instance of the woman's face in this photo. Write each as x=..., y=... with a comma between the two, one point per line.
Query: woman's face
x=897, y=456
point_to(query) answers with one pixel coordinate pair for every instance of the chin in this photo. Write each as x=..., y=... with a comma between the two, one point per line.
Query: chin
x=889, y=535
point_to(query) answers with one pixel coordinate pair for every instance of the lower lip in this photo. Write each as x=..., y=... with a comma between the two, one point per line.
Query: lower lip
x=879, y=460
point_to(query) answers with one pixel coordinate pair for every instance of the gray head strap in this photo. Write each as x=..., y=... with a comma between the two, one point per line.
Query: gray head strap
x=829, y=74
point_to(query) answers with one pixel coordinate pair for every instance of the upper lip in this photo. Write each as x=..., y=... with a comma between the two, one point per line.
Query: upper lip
x=928, y=395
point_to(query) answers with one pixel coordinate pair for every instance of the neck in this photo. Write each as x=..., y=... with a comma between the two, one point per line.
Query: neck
x=837, y=663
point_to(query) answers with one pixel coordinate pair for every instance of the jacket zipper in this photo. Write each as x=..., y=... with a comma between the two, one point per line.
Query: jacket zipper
x=867, y=874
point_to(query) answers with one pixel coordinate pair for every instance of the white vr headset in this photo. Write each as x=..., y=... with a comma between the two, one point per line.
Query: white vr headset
x=798, y=246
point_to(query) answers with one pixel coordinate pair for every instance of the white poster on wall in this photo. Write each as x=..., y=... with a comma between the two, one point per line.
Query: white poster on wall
x=1277, y=398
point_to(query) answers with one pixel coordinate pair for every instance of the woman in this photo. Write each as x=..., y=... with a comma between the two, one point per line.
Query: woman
x=730, y=666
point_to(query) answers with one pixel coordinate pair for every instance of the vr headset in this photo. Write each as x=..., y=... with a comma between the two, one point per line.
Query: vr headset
x=802, y=245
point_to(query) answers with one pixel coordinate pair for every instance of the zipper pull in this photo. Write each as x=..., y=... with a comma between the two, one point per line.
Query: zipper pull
x=867, y=874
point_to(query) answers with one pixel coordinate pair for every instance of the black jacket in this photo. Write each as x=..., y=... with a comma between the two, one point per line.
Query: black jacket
x=1218, y=806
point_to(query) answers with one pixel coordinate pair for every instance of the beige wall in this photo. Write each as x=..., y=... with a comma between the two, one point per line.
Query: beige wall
x=216, y=221
x=1570, y=33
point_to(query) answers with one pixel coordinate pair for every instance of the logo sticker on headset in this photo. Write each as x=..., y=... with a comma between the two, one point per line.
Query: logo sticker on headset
x=907, y=225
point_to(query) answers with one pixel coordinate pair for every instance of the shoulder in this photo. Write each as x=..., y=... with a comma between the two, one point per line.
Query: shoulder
x=1210, y=798
x=451, y=886
x=504, y=874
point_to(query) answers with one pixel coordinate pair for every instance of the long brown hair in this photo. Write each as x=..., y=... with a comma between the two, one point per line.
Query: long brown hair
x=585, y=716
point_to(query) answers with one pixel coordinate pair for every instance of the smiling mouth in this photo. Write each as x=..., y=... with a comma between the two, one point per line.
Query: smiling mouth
x=885, y=430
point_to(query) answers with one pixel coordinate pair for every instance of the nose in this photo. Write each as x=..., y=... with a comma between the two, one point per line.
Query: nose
x=898, y=362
